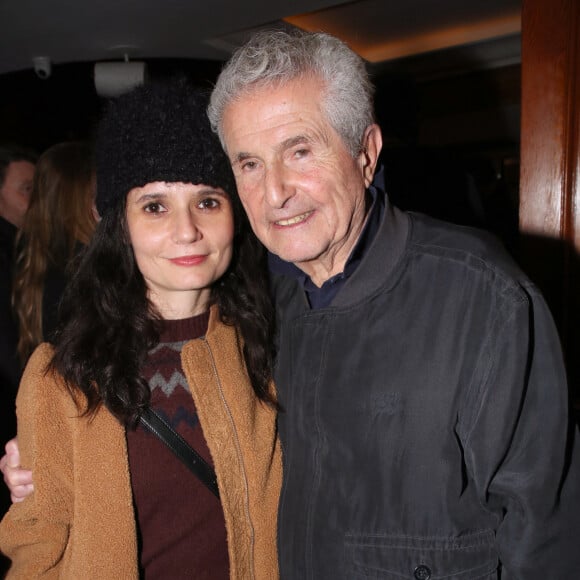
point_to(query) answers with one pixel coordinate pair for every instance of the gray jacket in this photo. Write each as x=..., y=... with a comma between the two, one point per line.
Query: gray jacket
x=425, y=428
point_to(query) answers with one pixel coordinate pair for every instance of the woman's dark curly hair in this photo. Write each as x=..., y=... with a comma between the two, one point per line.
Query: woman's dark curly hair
x=108, y=324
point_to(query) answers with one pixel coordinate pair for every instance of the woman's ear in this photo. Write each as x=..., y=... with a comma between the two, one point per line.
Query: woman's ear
x=372, y=144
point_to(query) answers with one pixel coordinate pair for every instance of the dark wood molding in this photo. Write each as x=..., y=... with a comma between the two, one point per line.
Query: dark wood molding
x=550, y=162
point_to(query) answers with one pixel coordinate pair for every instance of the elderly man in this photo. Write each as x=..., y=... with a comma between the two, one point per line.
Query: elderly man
x=424, y=417
x=425, y=422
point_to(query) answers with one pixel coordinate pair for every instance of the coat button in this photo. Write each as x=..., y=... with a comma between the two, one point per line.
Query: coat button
x=422, y=572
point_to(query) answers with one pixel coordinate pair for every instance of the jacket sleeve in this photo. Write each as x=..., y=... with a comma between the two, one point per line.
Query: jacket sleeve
x=33, y=534
x=522, y=448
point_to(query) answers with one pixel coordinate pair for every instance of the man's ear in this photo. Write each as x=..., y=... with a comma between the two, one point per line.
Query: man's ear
x=372, y=144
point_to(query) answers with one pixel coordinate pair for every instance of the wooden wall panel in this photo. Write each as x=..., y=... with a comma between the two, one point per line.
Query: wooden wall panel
x=549, y=175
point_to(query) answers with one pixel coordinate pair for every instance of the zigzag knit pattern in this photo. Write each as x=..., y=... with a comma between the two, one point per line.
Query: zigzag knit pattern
x=180, y=521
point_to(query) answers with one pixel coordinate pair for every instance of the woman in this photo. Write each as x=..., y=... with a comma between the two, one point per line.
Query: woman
x=59, y=221
x=169, y=309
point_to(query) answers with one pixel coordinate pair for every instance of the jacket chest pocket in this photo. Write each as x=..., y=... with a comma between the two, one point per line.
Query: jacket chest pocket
x=396, y=557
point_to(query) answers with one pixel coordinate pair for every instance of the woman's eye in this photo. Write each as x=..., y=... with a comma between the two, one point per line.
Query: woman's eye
x=154, y=207
x=209, y=203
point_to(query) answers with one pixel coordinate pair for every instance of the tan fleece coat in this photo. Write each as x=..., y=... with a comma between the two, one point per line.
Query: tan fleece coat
x=79, y=522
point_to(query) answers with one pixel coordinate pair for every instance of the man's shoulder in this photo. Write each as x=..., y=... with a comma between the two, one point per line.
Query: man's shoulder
x=466, y=246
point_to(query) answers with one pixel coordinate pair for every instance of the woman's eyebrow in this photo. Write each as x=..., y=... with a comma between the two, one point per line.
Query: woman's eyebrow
x=150, y=196
x=212, y=191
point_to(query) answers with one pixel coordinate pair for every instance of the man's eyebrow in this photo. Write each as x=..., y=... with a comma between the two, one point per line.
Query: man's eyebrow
x=293, y=141
x=242, y=157
x=283, y=146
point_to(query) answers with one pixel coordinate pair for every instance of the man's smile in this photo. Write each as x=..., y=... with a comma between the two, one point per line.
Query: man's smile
x=294, y=220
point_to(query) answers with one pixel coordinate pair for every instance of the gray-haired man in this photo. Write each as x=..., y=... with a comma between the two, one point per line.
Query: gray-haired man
x=425, y=425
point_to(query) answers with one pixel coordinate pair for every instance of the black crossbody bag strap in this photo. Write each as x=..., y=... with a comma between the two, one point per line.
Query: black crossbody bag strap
x=193, y=460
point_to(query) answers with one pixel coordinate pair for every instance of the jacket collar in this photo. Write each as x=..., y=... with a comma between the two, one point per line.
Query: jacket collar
x=380, y=259
x=375, y=255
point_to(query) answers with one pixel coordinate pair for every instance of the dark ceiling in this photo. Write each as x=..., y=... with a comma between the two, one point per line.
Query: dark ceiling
x=411, y=41
x=67, y=31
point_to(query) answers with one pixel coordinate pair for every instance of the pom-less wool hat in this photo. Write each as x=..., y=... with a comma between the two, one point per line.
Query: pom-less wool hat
x=158, y=132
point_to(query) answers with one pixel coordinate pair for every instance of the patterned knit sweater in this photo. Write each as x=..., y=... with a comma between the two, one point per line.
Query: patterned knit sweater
x=181, y=525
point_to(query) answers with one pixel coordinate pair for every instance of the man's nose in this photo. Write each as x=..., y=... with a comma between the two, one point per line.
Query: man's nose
x=277, y=186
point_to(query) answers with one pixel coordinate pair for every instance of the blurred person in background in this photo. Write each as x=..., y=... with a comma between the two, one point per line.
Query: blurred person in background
x=60, y=221
x=16, y=176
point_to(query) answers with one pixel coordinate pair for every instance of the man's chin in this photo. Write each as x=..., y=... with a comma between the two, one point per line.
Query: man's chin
x=297, y=257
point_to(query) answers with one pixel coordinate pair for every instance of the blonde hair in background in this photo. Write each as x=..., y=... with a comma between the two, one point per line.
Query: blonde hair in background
x=59, y=217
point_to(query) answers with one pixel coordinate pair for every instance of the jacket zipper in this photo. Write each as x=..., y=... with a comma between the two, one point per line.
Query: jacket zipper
x=239, y=454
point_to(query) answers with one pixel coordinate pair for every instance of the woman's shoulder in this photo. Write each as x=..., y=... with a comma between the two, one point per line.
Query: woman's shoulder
x=39, y=361
x=40, y=382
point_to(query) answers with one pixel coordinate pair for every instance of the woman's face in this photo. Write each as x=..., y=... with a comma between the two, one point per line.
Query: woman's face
x=182, y=237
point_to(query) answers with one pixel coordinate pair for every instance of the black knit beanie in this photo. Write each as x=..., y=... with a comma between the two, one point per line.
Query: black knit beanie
x=158, y=132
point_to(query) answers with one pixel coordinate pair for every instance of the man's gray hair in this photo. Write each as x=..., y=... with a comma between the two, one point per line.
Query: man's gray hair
x=274, y=57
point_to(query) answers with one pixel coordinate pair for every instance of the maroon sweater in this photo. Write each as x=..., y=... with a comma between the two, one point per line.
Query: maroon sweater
x=181, y=525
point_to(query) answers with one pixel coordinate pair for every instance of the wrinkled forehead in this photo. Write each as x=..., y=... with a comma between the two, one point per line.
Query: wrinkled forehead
x=300, y=97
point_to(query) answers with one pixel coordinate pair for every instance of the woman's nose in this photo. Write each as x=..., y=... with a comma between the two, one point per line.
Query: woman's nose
x=186, y=230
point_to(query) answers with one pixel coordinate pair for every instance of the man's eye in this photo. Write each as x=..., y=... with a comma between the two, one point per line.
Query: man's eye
x=299, y=153
x=249, y=165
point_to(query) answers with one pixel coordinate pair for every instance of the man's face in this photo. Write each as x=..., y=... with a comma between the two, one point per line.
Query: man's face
x=303, y=191
x=15, y=191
